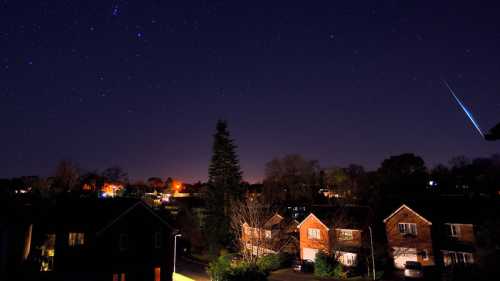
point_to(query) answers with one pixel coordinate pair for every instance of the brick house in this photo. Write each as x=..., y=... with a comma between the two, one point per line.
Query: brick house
x=441, y=236
x=278, y=234
x=409, y=237
x=339, y=231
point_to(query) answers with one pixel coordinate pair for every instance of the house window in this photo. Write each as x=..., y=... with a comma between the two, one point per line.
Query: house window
x=408, y=228
x=119, y=277
x=157, y=239
x=123, y=242
x=313, y=233
x=452, y=258
x=48, y=252
x=425, y=254
x=454, y=230
x=267, y=234
x=345, y=235
x=76, y=239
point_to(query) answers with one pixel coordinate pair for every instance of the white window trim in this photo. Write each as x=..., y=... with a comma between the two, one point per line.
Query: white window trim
x=457, y=233
x=407, y=228
x=343, y=231
x=313, y=237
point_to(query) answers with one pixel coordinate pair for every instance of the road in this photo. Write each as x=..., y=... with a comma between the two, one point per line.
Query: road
x=288, y=274
x=191, y=269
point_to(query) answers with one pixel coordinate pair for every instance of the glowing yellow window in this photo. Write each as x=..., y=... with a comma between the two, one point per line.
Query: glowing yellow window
x=76, y=239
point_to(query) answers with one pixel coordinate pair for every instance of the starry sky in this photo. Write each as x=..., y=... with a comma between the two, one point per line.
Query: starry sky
x=141, y=84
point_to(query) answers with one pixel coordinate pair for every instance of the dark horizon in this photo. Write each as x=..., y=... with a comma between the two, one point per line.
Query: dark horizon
x=141, y=85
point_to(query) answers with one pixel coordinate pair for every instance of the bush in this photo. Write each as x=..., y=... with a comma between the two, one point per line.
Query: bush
x=323, y=266
x=222, y=269
x=245, y=272
x=219, y=268
x=269, y=263
x=327, y=266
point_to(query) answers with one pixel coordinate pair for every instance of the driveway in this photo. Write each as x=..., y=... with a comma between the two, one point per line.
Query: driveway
x=288, y=274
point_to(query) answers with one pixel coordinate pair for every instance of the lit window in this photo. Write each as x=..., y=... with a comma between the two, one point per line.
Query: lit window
x=408, y=228
x=345, y=235
x=48, y=252
x=267, y=234
x=123, y=242
x=76, y=239
x=157, y=274
x=157, y=239
x=313, y=233
x=122, y=277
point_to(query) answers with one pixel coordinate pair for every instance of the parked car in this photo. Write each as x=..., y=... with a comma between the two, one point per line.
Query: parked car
x=302, y=266
x=414, y=270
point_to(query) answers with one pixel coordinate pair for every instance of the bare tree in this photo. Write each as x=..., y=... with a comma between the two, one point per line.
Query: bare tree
x=247, y=223
x=66, y=176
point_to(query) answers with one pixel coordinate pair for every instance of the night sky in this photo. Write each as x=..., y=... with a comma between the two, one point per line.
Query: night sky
x=141, y=84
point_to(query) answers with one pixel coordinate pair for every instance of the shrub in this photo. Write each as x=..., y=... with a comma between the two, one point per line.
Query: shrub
x=324, y=266
x=327, y=266
x=222, y=269
x=246, y=272
x=219, y=269
x=269, y=263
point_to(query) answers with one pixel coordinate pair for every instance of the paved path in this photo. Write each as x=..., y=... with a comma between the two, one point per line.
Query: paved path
x=192, y=269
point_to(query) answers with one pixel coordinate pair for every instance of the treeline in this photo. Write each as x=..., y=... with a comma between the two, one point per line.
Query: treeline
x=294, y=179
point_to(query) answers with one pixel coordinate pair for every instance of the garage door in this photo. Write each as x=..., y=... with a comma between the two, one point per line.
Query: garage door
x=402, y=255
x=309, y=254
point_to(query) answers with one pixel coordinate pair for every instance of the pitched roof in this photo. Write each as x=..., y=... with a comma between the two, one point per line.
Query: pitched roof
x=94, y=215
x=409, y=209
x=346, y=216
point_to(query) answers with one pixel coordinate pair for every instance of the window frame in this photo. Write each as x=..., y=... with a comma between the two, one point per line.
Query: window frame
x=315, y=231
x=406, y=228
x=342, y=234
x=76, y=239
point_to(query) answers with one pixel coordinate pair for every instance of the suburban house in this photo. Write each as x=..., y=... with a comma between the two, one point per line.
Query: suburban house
x=113, y=239
x=441, y=236
x=409, y=237
x=340, y=231
x=277, y=235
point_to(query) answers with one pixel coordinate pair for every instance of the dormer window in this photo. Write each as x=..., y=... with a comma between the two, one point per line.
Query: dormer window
x=407, y=228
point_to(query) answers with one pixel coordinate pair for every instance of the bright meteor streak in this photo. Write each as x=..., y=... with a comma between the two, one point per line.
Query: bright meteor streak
x=467, y=112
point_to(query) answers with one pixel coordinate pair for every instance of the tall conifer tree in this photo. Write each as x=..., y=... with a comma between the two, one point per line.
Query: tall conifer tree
x=224, y=186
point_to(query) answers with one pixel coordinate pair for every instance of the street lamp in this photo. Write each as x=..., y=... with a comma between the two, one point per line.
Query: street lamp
x=373, y=257
x=175, y=247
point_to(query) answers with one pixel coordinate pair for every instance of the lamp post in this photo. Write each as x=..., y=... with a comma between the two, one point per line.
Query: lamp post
x=175, y=247
x=373, y=257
